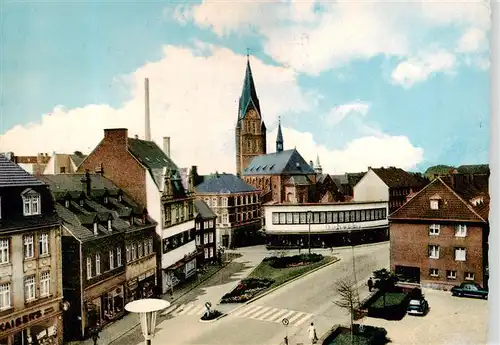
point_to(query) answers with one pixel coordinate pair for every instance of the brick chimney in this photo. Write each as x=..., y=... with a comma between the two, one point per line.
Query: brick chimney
x=117, y=137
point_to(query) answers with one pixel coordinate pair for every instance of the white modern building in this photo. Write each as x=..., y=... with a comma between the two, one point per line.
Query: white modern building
x=326, y=225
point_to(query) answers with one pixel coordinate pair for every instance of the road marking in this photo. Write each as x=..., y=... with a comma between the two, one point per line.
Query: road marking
x=268, y=313
x=244, y=310
x=187, y=308
x=251, y=311
x=298, y=323
x=275, y=316
x=260, y=312
x=296, y=317
x=197, y=311
x=291, y=312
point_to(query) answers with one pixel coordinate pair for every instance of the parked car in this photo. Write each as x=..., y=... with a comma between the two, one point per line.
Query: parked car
x=470, y=290
x=418, y=306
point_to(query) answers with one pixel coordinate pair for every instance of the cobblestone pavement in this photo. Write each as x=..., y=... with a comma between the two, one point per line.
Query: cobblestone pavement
x=451, y=320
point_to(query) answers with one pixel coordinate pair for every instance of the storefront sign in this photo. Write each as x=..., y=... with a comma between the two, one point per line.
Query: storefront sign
x=20, y=321
x=346, y=227
x=142, y=277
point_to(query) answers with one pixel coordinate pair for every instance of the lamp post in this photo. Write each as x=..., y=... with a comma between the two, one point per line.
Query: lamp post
x=147, y=309
x=309, y=216
x=353, y=258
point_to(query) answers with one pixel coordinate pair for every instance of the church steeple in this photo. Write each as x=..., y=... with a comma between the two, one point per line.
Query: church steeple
x=317, y=168
x=248, y=98
x=279, y=138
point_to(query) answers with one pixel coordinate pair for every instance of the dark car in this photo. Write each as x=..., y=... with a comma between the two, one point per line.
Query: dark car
x=418, y=306
x=470, y=290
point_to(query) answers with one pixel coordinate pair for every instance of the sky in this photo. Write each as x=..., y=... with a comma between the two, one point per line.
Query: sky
x=357, y=84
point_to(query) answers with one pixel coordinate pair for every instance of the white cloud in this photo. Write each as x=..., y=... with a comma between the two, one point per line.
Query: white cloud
x=357, y=155
x=339, y=113
x=296, y=34
x=472, y=41
x=418, y=69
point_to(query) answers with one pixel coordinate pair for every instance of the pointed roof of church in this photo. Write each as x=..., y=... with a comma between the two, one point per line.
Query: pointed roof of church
x=288, y=162
x=279, y=136
x=248, y=96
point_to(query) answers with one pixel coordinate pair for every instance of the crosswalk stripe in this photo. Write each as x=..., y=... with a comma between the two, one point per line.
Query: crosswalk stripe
x=268, y=313
x=296, y=317
x=196, y=310
x=260, y=312
x=299, y=322
x=291, y=312
x=242, y=310
x=251, y=311
x=179, y=310
x=187, y=308
x=276, y=316
x=169, y=309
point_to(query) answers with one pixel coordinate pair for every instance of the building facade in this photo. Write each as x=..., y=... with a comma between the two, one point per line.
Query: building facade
x=206, y=235
x=237, y=206
x=108, y=239
x=62, y=163
x=34, y=165
x=325, y=225
x=250, y=132
x=439, y=238
x=148, y=174
x=31, y=295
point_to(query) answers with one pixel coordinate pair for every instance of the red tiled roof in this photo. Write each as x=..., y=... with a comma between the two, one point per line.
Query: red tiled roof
x=452, y=205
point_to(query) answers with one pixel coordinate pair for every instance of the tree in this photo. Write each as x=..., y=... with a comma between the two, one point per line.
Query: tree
x=349, y=300
x=385, y=281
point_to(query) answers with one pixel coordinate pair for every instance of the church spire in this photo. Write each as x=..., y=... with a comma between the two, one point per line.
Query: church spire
x=318, y=169
x=248, y=98
x=279, y=137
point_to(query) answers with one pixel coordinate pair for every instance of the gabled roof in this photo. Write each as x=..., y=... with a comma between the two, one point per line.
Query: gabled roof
x=12, y=175
x=203, y=210
x=298, y=180
x=284, y=162
x=223, y=184
x=248, y=96
x=397, y=178
x=452, y=206
x=152, y=157
x=77, y=158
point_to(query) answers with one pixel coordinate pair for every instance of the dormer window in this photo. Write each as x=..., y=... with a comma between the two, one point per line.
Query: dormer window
x=66, y=203
x=120, y=198
x=95, y=228
x=31, y=202
x=81, y=202
x=109, y=225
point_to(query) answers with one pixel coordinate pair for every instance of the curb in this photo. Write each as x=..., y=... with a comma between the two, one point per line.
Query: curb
x=284, y=284
x=174, y=300
x=216, y=319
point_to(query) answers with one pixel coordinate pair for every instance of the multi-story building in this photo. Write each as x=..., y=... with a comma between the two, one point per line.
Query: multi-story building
x=34, y=165
x=108, y=239
x=440, y=236
x=205, y=220
x=148, y=174
x=31, y=304
x=63, y=163
x=237, y=206
x=391, y=184
x=345, y=183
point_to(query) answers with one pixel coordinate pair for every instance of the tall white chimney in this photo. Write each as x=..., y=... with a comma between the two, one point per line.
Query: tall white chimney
x=147, y=133
x=166, y=146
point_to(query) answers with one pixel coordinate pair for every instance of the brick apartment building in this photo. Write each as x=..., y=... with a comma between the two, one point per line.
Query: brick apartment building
x=107, y=250
x=148, y=174
x=31, y=294
x=440, y=236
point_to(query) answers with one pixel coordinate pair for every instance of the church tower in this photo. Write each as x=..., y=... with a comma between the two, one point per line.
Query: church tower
x=250, y=133
x=279, y=138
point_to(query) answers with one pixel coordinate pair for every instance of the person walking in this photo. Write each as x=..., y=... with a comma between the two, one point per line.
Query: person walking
x=95, y=335
x=312, y=333
x=370, y=284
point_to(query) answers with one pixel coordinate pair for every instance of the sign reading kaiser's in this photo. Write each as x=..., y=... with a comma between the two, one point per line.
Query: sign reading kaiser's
x=19, y=321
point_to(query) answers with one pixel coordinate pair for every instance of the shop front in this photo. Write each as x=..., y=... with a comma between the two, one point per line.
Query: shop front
x=142, y=286
x=180, y=272
x=105, y=308
x=35, y=326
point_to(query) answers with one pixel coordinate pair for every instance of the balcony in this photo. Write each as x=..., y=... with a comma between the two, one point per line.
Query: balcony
x=177, y=254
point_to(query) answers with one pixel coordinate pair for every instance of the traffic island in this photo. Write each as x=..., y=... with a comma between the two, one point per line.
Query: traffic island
x=214, y=315
x=388, y=306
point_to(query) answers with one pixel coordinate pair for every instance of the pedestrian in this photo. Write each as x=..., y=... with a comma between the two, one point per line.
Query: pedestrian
x=95, y=335
x=312, y=333
x=370, y=284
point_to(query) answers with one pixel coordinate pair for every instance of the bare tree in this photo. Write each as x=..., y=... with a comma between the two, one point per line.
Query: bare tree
x=349, y=300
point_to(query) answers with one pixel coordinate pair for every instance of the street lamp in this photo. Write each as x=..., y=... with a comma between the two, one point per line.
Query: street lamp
x=309, y=214
x=147, y=309
x=353, y=258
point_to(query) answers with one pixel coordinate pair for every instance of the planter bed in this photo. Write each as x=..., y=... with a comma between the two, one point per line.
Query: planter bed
x=395, y=305
x=369, y=336
x=246, y=290
x=213, y=315
x=293, y=261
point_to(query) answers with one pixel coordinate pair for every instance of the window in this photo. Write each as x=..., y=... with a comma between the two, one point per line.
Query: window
x=197, y=240
x=111, y=259
x=224, y=218
x=97, y=264
x=45, y=284
x=460, y=254
x=95, y=229
x=322, y=217
x=451, y=274
x=109, y=224
x=140, y=250
x=434, y=204
x=198, y=226
x=31, y=203
x=134, y=251
x=468, y=276
x=434, y=272
x=29, y=288
x=211, y=252
x=118, y=256
x=205, y=238
x=205, y=224
x=289, y=218
x=4, y=296
x=434, y=252
x=461, y=230
x=206, y=253
x=207, y=201
x=44, y=244
x=62, y=170
x=335, y=217
x=211, y=237
x=434, y=229
x=362, y=215
x=66, y=203
x=89, y=267
x=224, y=202
x=276, y=218
x=341, y=217
x=214, y=201
x=210, y=223
x=29, y=246
x=316, y=217
x=146, y=248
x=282, y=218
x=150, y=245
